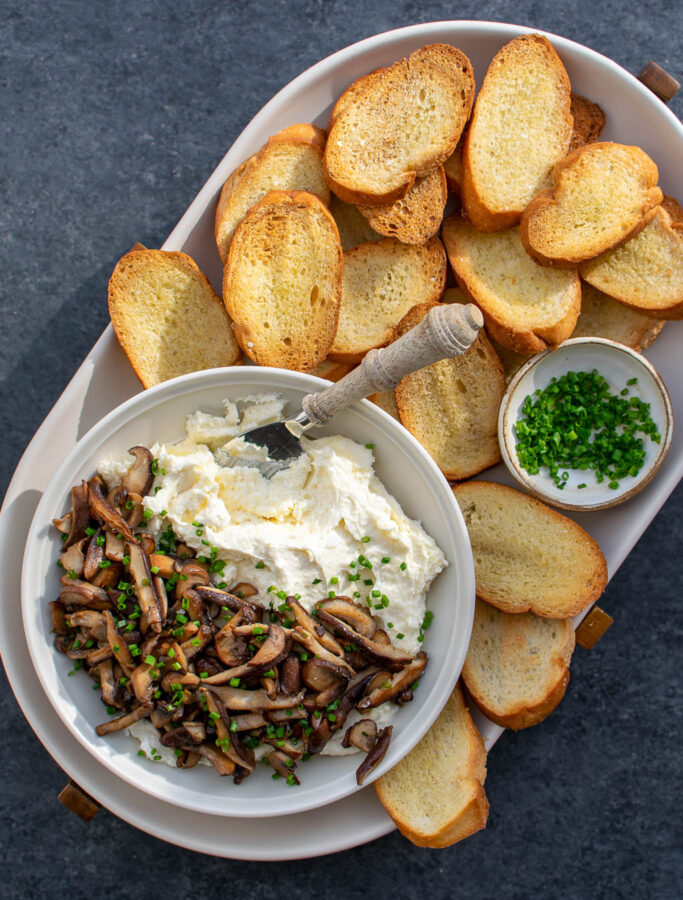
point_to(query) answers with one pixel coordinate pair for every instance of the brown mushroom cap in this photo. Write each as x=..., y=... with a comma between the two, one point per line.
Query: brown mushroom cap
x=80, y=514
x=354, y=615
x=140, y=478
x=362, y=734
x=385, y=654
x=375, y=756
x=382, y=692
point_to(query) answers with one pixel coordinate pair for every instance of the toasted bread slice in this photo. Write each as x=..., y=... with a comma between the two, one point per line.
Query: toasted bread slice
x=674, y=208
x=167, y=317
x=353, y=227
x=527, y=557
x=603, y=317
x=589, y=121
x=282, y=281
x=527, y=307
x=646, y=273
x=435, y=794
x=291, y=160
x=381, y=282
x=517, y=666
x=520, y=127
x=398, y=123
x=451, y=407
x=415, y=218
x=386, y=400
x=332, y=370
x=453, y=168
x=602, y=195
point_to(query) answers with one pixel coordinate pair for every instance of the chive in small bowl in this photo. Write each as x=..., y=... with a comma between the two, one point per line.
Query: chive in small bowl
x=586, y=426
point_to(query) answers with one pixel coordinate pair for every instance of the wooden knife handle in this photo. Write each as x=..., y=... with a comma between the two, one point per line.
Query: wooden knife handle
x=446, y=331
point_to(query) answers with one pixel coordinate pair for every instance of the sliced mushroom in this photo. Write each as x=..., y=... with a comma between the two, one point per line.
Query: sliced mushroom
x=140, y=477
x=184, y=551
x=251, y=701
x=248, y=722
x=244, y=590
x=385, y=654
x=197, y=731
x=82, y=593
x=108, y=576
x=188, y=760
x=273, y=649
x=162, y=597
x=310, y=643
x=290, y=674
x=283, y=765
x=113, y=546
x=211, y=594
x=59, y=625
x=354, y=615
x=134, y=510
x=328, y=696
x=105, y=673
x=126, y=720
x=218, y=760
x=93, y=557
x=277, y=716
x=63, y=525
x=167, y=565
x=117, y=497
x=90, y=621
x=375, y=756
x=321, y=674
x=293, y=751
x=118, y=646
x=80, y=514
x=309, y=624
x=107, y=514
x=362, y=734
x=142, y=577
x=98, y=655
x=398, y=683
x=73, y=559
x=141, y=680
x=192, y=574
x=381, y=637
x=231, y=649
x=147, y=542
x=161, y=718
x=322, y=732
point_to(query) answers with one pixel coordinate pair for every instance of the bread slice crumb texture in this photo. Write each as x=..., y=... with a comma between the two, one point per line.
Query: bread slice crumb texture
x=602, y=195
x=527, y=557
x=290, y=161
x=435, y=794
x=603, y=317
x=646, y=273
x=520, y=127
x=282, y=281
x=415, y=218
x=397, y=123
x=381, y=282
x=517, y=666
x=451, y=407
x=167, y=317
x=527, y=307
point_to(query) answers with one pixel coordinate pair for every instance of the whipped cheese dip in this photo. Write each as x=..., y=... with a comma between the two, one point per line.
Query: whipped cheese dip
x=325, y=524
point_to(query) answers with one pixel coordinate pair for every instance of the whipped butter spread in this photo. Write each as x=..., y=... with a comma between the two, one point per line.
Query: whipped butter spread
x=326, y=524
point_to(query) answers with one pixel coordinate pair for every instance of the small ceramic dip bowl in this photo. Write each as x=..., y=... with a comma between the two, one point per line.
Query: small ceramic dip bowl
x=618, y=365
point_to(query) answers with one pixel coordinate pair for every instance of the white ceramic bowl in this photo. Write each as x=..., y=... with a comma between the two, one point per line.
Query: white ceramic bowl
x=408, y=473
x=617, y=364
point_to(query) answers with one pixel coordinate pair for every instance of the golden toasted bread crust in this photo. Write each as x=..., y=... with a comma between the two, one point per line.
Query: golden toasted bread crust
x=465, y=820
x=582, y=595
x=415, y=218
x=308, y=352
x=385, y=99
x=535, y=231
x=589, y=121
x=126, y=285
x=526, y=50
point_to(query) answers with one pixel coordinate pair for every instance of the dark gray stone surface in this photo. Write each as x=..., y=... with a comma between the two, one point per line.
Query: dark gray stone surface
x=114, y=114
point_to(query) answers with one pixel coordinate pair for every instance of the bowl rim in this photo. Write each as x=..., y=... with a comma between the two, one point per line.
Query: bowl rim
x=529, y=482
x=461, y=570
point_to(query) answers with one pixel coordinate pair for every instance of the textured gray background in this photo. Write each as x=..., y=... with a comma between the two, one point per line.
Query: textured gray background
x=113, y=116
